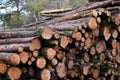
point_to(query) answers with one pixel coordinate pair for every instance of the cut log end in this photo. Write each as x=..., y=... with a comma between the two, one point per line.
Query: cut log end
x=47, y=33
x=78, y=36
x=64, y=42
x=61, y=70
x=3, y=68
x=50, y=53
x=118, y=58
x=106, y=33
x=85, y=70
x=54, y=61
x=92, y=23
x=70, y=64
x=88, y=42
x=14, y=73
x=95, y=13
x=35, y=53
x=56, y=35
x=15, y=59
x=41, y=62
x=24, y=57
x=35, y=45
x=95, y=74
x=117, y=20
x=20, y=49
x=45, y=74
x=115, y=34
x=101, y=46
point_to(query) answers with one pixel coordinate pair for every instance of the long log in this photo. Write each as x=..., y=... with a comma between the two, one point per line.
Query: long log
x=13, y=47
x=55, y=11
x=14, y=34
x=16, y=40
x=10, y=58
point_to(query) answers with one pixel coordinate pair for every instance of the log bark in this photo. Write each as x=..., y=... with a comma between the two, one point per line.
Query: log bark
x=10, y=58
x=17, y=34
x=56, y=11
x=13, y=47
x=16, y=40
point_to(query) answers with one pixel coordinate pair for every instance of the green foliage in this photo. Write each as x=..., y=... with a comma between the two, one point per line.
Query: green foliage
x=107, y=67
x=36, y=5
x=40, y=30
x=15, y=21
x=67, y=32
x=77, y=3
x=74, y=3
x=95, y=61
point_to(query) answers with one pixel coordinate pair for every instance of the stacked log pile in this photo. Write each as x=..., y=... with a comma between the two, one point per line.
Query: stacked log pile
x=82, y=44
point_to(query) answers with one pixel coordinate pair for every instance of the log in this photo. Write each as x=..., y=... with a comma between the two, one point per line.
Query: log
x=88, y=42
x=92, y=50
x=15, y=40
x=47, y=33
x=85, y=70
x=35, y=53
x=92, y=23
x=71, y=73
x=45, y=74
x=64, y=42
x=61, y=70
x=56, y=11
x=13, y=47
x=14, y=73
x=54, y=61
x=102, y=57
x=41, y=62
x=24, y=57
x=60, y=55
x=29, y=62
x=17, y=34
x=86, y=57
x=49, y=53
x=117, y=20
x=115, y=33
x=10, y=58
x=35, y=44
x=3, y=68
x=32, y=59
x=101, y=46
x=70, y=64
x=117, y=58
x=75, y=14
x=106, y=33
x=95, y=74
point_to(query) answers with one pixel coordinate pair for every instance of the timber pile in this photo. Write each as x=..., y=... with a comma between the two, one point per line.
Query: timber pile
x=82, y=44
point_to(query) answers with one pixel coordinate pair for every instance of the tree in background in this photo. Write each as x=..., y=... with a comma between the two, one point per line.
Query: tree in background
x=21, y=12
x=35, y=6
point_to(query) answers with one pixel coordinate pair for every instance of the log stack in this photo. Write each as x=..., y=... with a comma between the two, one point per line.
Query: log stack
x=82, y=44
